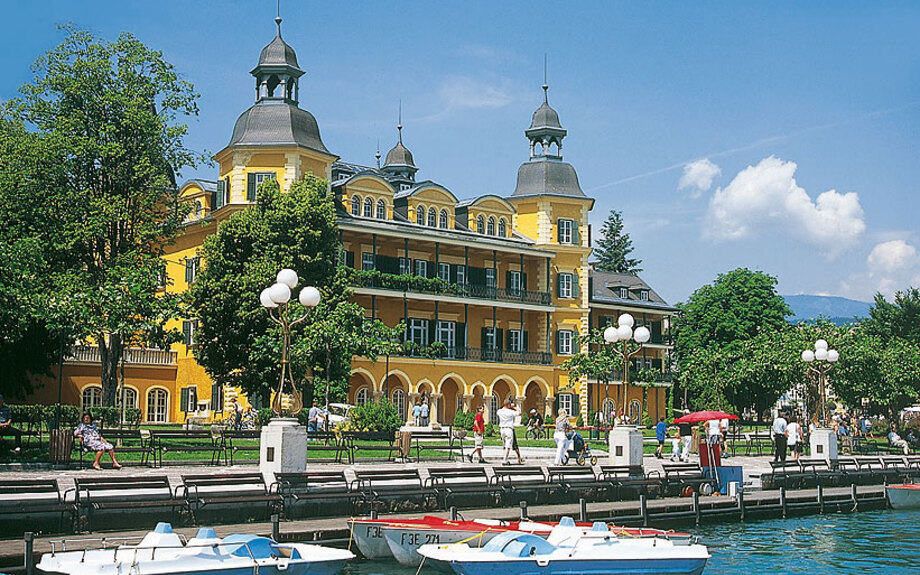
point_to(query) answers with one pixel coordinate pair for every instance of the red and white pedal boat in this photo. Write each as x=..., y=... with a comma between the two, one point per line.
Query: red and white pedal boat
x=400, y=539
x=904, y=495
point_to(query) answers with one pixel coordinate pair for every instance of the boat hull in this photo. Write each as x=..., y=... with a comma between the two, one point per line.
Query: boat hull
x=404, y=542
x=905, y=496
x=368, y=536
x=583, y=567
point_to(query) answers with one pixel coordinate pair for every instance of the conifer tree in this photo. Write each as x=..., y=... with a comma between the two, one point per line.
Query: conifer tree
x=614, y=247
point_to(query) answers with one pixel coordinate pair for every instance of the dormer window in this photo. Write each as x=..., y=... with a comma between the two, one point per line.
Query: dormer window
x=355, y=206
x=368, y=208
x=502, y=228
x=480, y=225
x=624, y=293
x=442, y=219
x=420, y=215
x=643, y=295
x=491, y=227
x=381, y=210
x=432, y=218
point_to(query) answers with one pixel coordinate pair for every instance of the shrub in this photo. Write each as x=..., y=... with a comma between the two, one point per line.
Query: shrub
x=490, y=430
x=463, y=420
x=579, y=422
x=880, y=427
x=525, y=418
x=381, y=416
x=264, y=415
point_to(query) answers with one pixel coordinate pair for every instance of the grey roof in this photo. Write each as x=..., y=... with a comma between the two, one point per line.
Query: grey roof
x=278, y=53
x=546, y=175
x=399, y=156
x=277, y=122
x=470, y=201
x=206, y=185
x=545, y=117
x=418, y=186
x=606, y=289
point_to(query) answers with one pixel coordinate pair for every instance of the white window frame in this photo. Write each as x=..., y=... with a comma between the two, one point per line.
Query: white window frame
x=418, y=331
x=399, y=401
x=566, y=341
x=490, y=341
x=443, y=220
x=381, y=210
x=405, y=266
x=502, y=228
x=490, y=226
x=432, y=218
x=516, y=339
x=624, y=293
x=128, y=395
x=461, y=275
x=444, y=271
x=480, y=225
x=566, y=285
x=566, y=231
x=490, y=277
x=515, y=283
x=157, y=412
x=368, y=261
x=421, y=268
x=368, y=208
x=447, y=333
x=567, y=402
x=420, y=215
x=192, y=331
x=356, y=205
x=95, y=397
x=361, y=396
x=643, y=295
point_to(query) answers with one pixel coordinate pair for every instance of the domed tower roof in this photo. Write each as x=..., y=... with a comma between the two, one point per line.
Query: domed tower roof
x=399, y=162
x=545, y=116
x=275, y=119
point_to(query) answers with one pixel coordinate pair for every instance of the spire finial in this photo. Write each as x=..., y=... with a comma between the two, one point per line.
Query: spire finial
x=545, y=84
x=399, y=125
x=278, y=17
x=377, y=155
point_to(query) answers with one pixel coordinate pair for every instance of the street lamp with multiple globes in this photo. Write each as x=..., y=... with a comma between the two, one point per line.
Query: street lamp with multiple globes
x=820, y=362
x=275, y=299
x=623, y=332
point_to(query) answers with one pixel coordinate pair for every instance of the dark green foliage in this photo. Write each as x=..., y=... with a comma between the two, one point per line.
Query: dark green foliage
x=71, y=415
x=463, y=420
x=899, y=319
x=265, y=414
x=614, y=247
x=380, y=416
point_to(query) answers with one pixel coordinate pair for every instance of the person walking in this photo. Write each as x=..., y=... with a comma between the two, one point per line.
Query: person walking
x=417, y=414
x=423, y=414
x=236, y=412
x=561, y=436
x=506, y=429
x=313, y=418
x=479, y=433
x=93, y=440
x=794, y=437
x=779, y=437
x=685, y=431
x=6, y=425
x=661, y=433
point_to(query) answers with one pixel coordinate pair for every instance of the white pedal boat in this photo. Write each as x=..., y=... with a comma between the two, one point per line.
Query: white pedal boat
x=904, y=495
x=163, y=552
x=569, y=550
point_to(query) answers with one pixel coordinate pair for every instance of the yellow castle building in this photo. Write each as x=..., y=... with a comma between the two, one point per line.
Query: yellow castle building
x=514, y=284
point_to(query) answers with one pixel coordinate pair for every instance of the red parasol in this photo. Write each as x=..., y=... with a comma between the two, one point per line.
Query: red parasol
x=698, y=416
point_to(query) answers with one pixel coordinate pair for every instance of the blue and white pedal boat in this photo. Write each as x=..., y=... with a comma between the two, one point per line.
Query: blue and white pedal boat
x=569, y=551
x=163, y=552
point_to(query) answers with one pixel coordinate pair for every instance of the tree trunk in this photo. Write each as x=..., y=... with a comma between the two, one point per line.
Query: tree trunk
x=328, y=361
x=111, y=349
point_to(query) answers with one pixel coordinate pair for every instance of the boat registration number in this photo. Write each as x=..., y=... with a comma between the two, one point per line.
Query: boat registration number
x=420, y=539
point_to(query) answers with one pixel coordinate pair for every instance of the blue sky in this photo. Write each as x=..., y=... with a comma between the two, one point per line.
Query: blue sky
x=777, y=136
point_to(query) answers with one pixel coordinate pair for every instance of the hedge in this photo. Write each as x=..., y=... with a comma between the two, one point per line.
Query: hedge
x=70, y=415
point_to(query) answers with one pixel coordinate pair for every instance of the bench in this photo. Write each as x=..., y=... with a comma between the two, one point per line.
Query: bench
x=850, y=471
x=27, y=498
x=901, y=466
x=631, y=477
x=382, y=485
x=520, y=481
x=788, y=474
x=371, y=441
x=577, y=479
x=877, y=470
x=233, y=441
x=340, y=446
x=679, y=476
x=124, y=440
x=234, y=490
x=819, y=472
x=191, y=440
x=149, y=493
x=437, y=439
x=463, y=482
x=313, y=487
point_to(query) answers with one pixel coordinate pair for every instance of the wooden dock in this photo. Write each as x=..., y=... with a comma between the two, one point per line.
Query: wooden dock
x=670, y=512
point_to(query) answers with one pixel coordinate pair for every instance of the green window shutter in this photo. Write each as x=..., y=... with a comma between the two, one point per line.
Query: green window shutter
x=483, y=338
x=559, y=230
x=215, y=397
x=183, y=401
x=524, y=348
x=576, y=410
x=556, y=404
x=188, y=270
x=350, y=259
x=499, y=336
x=576, y=290
x=508, y=279
x=187, y=332
x=218, y=200
x=523, y=281
x=461, y=334
x=558, y=285
x=576, y=233
x=251, y=187
x=558, y=342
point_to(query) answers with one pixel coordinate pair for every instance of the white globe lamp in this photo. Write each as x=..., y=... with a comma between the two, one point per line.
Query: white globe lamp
x=279, y=293
x=288, y=277
x=610, y=334
x=309, y=297
x=266, y=300
x=821, y=354
x=626, y=320
x=624, y=332
x=642, y=334
x=820, y=344
x=808, y=356
x=832, y=355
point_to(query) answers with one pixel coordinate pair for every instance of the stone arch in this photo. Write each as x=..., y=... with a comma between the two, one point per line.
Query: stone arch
x=534, y=396
x=397, y=376
x=360, y=379
x=501, y=389
x=509, y=381
x=451, y=391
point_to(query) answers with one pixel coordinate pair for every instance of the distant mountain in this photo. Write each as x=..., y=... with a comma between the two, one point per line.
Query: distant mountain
x=839, y=310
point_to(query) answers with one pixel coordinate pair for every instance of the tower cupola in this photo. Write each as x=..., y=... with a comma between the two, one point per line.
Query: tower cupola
x=399, y=162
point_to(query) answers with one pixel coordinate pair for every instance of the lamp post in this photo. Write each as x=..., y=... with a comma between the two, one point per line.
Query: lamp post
x=275, y=299
x=623, y=332
x=820, y=362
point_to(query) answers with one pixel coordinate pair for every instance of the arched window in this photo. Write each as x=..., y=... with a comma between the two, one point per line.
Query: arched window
x=432, y=218
x=368, y=208
x=635, y=411
x=480, y=225
x=442, y=219
x=130, y=398
x=399, y=402
x=198, y=208
x=494, y=402
x=381, y=210
x=157, y=405
x=91, y=397
x=491, y=227
x=420, y=215
x=502, y=228
x=361, y=396
x=355, y=206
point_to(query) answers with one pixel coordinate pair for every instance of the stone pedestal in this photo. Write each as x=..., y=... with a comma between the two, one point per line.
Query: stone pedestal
x=823, y=444
x=625, y=444
x=283, y=448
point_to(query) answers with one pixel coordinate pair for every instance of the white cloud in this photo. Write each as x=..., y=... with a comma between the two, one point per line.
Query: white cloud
x=698, y=177
x=466, y=92
x=893, y=256
x=766, y=199
x=890, y=267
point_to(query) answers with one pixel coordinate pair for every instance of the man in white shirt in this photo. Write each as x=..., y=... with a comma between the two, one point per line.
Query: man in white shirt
x=779, y=438
x=506, y=428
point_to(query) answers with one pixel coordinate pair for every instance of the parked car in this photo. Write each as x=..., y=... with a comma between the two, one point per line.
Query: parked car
x=338, y=412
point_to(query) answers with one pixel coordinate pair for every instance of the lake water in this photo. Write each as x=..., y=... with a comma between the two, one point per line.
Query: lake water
x=871, y=542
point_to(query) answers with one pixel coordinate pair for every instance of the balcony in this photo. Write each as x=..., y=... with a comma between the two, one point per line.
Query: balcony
x=436, y=286
x=440, y=351
x=133, y=355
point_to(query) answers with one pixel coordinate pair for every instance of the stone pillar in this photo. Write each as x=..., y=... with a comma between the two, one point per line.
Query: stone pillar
x=548, y=402
x=625, y=446
x=823, y=444
x=519, y=402
x=467, y=402
x=283, y=448
x=377, y=394
x=434, y=398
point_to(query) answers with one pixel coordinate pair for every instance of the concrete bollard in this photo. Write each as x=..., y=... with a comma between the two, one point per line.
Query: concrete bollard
x=28, y=539
x=276, y=527
x=820, y=499
x=453, y=513
x=524, y=510
x=740, y=499
x=643, y=510
x=582, y=510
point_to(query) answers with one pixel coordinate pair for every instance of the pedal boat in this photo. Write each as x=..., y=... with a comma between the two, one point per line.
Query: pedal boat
x=903, y=495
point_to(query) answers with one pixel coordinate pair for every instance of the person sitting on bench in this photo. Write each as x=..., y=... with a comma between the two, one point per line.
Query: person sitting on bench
x=93, y=440
x=6, y=425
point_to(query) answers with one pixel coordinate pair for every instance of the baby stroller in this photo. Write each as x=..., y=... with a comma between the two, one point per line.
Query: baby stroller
x=580, y=450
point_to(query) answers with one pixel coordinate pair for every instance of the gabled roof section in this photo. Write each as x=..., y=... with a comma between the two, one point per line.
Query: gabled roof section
x=606, y=289
x=421, y=187
x=485, y=198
